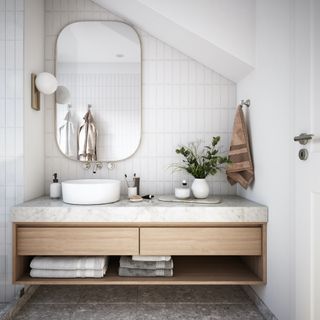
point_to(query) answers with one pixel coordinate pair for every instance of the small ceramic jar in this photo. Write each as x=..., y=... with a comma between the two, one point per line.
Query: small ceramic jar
x=182, y=192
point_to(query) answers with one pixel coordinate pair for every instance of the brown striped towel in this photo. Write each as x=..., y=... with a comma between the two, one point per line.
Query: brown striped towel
x=241, y=169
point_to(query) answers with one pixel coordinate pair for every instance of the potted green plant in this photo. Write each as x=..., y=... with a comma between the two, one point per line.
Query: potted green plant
x=200, y=164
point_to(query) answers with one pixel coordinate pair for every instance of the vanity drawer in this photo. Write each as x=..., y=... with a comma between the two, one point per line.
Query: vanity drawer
x=77, y=241
x=244, y=241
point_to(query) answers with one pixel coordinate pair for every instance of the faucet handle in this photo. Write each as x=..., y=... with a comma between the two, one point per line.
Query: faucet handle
x=99, y=165
x=86, y=165
x=110, y=165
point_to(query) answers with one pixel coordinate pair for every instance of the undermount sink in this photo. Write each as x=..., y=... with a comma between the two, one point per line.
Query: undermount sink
x=91, y=191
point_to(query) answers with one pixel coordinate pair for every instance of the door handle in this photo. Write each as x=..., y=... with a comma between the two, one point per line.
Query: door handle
x=303, y=138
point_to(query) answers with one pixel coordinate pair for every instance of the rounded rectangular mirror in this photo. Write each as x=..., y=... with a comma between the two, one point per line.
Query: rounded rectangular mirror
x=98, y=101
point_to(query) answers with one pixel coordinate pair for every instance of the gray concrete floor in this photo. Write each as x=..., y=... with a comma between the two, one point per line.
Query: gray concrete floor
x=139, y=302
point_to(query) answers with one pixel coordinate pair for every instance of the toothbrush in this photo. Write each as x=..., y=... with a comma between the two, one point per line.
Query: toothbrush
x=125, y=176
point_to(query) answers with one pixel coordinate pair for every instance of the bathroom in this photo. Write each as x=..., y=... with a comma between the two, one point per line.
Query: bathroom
x=247, y=251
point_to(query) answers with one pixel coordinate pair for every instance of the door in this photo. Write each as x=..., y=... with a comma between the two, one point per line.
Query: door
x=307, y=172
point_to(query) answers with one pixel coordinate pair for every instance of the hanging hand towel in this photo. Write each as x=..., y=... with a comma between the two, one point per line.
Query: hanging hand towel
x=68, y=137
x=88, y=139
x=241, y=169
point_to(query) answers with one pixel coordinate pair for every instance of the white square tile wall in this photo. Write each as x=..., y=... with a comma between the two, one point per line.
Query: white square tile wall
x=182, y=101
x=11, y=131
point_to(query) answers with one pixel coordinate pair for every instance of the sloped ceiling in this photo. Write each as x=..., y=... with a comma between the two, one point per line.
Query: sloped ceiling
x=218, y=33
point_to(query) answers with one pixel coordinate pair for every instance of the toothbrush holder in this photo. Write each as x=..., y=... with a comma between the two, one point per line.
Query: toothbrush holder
x=132, y=191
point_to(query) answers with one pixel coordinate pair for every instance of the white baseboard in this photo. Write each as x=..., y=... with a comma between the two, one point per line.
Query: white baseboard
x=264, y=310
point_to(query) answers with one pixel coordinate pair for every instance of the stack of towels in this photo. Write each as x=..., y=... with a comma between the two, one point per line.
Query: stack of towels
x=146, y=266
x=68, y=267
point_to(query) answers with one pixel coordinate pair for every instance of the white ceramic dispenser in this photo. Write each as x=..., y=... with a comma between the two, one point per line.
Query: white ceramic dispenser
x=55, y=187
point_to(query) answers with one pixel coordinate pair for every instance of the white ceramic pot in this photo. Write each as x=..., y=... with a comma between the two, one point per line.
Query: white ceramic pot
x=200, y=188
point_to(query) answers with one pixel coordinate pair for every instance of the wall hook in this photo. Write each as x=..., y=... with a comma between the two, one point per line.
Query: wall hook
x=245, y=103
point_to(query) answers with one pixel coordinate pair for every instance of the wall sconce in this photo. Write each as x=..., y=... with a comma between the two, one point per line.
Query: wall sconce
x=45, y=83
x=63, y=95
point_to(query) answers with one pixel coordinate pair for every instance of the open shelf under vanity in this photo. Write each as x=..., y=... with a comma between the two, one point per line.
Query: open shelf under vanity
x=194, y=270
x=226, y=254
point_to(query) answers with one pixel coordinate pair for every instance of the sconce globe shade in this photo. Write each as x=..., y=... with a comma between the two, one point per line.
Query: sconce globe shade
x=46, y=83
x=63, y=95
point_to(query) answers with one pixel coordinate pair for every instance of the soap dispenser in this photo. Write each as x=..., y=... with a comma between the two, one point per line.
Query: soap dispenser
x=55, y=187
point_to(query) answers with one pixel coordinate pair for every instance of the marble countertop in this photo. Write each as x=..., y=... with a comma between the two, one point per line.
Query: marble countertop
x=231, y=209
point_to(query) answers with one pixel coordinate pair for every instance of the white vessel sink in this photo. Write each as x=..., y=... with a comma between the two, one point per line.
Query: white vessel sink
x=90, y=191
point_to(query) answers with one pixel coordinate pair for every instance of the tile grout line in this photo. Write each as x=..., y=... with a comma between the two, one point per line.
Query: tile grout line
x=5, y=143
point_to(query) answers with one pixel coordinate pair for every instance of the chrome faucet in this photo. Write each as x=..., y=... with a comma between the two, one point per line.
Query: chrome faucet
x=97, y=166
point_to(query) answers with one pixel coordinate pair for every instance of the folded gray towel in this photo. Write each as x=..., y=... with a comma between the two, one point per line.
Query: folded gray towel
x=127, y=262
x=151, y=258
x=126, y=272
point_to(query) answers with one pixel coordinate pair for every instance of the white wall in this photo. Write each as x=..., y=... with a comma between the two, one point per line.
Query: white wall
x=11, y=132
x=33, y=120
x=214, y=32
x=271, y=118
x=182, y=101
x=230, y=24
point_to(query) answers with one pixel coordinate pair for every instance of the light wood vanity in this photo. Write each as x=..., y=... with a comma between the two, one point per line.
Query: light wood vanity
x=210, y=244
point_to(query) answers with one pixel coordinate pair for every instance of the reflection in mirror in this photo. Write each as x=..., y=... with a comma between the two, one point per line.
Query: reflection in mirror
x=98, y=102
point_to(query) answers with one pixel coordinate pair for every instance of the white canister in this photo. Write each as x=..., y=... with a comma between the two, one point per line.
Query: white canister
x=182, y=192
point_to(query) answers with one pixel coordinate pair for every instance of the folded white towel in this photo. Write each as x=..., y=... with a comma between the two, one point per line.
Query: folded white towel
x=69, y=263
x=151, y=258
x=37, y=273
